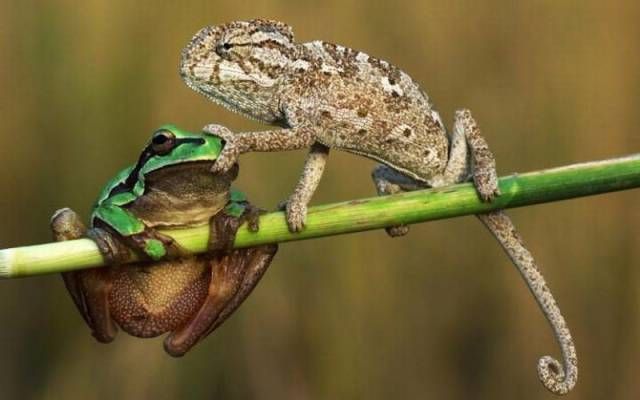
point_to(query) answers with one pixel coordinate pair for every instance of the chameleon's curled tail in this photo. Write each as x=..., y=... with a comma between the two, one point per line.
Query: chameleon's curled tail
x=559, y=379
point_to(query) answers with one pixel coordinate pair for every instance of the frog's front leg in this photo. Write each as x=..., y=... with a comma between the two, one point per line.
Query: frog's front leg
x=117, y=231
x=90, y=288
x=239, y=143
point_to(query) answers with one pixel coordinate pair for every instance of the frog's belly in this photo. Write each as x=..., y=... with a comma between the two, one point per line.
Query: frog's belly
x=147, y=301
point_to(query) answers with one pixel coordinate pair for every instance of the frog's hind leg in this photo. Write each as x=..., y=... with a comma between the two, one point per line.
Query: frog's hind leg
x=233, y=276
x=90, y=288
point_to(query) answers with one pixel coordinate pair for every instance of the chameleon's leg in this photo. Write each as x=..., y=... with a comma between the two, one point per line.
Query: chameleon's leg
x=558, y=378
x=390, y=181
x=233, y=276
x=275, y=140
x=483, y=163
x=89, y=288
x=296, y=204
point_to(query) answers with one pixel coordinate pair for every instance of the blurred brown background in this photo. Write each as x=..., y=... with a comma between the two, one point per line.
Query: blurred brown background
x=439, y=314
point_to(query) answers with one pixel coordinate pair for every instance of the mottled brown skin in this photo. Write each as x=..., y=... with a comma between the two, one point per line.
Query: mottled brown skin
x=189, y=296
x=328, y=96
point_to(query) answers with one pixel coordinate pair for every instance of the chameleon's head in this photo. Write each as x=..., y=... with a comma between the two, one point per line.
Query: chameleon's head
x=239, y=64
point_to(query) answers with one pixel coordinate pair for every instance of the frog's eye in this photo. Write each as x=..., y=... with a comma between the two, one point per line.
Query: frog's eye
x=163, y=142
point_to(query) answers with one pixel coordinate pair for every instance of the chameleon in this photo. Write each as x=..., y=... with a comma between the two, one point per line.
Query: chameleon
x=323, y=96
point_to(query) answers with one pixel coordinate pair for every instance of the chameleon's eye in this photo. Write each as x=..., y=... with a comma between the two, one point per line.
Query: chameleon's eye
x=163, y=142
x=222, y=49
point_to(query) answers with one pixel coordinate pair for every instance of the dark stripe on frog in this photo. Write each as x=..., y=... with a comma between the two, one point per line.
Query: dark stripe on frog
x=128, y=184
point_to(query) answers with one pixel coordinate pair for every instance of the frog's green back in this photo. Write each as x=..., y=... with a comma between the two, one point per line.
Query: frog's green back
x=115, y=181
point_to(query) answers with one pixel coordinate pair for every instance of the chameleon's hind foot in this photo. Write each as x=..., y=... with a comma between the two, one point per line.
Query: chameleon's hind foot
x=483, y=163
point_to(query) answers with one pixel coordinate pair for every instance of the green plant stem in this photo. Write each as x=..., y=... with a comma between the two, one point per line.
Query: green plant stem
x=359, y=215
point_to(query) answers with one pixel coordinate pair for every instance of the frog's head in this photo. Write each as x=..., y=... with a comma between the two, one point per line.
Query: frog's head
x=240, y=64
x=170, y=146
x=175, y=155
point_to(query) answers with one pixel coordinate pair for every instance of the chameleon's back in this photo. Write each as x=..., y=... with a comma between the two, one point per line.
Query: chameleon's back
x=369, y=107
x=355, y=102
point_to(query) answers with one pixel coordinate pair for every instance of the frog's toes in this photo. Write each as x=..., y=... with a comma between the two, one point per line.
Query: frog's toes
x=252, y=216
x=111, y=247
x=296, y=215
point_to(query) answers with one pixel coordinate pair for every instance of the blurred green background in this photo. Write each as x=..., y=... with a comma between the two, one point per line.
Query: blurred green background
x=438, y=314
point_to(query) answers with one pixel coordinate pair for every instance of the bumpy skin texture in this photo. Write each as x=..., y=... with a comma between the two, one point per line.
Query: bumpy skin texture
x=328, y=96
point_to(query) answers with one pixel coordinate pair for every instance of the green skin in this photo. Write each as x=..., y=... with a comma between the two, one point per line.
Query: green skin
x=189, y=296
x=113, y=209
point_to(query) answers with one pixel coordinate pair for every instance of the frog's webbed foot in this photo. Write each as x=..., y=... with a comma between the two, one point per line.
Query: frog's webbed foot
x=230, y=150
x=110, y=245
x=156, y=245
x=224, y=225
x=89, y=289
x=483, y=163
x=233, y=276
x=252, y=216
x=222, y=232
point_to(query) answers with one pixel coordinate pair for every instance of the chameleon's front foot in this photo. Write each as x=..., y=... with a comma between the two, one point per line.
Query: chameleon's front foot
x=230, y=152
x=296, y=213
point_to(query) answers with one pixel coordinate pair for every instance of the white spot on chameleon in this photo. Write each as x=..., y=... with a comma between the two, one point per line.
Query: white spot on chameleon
x=230, y=71
x=330, y=68
x=300, y=64
x=269, y=56
x=390, y=88
x=362, y=57
x=203, y=72
x=261, y=36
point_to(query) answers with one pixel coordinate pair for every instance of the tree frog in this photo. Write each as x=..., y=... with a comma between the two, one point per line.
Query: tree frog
x=171, y=185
